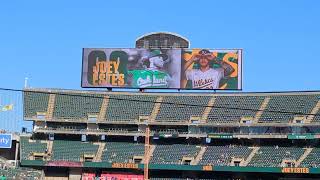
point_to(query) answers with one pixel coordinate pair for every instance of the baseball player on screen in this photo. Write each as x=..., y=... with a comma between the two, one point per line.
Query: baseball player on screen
x=206, y=77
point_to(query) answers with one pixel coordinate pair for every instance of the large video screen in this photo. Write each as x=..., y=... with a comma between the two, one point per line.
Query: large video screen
x=192, y=69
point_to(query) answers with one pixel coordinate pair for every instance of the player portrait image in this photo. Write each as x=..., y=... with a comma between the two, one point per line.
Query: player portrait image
x=161, y=68
x=206, y=69
x=131, y=68
x=154, y=68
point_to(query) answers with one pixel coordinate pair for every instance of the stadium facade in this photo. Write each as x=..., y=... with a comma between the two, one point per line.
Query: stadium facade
x=160, y=136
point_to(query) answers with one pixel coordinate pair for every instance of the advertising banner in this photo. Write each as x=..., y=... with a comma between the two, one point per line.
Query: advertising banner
x=301, y=136
x=161, y=68
x=5, y=141
x=220, y=136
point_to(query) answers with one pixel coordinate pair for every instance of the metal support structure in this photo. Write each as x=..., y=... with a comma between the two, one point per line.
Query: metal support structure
x=16, y=154
x=146, y=153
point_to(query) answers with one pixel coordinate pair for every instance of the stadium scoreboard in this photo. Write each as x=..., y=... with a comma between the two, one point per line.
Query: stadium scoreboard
x=142, y=68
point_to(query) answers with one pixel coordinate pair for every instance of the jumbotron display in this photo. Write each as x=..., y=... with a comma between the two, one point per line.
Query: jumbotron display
x=193, y=69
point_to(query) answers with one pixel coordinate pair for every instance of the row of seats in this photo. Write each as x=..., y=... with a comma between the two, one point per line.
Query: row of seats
x=230, y=109
x=27, y=148
x=278, y=104
x=72, y=150
x=129, y=108
x=77, y=106
x=266, y=156
x=222, y=155
x=122, y=152
x=18, y=173
x=173, y=154
x=226, y=108
x=181, y=108
x=270, y=156
x=35, y=102
x=313, y=159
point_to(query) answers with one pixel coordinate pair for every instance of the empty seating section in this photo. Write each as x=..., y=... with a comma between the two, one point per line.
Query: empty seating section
x=272, y=156
x=124, y=107
x=222, y=155
x=122, y=151
x=77, y=106
x=129, y=107
x=313, y=159
x=288, y=103
x=222, y=111
x=72, y=150
x=173, y=154
x=27, y=148
x=35, y=102
x=317, y=117
x=183, y=109
x=20, y=173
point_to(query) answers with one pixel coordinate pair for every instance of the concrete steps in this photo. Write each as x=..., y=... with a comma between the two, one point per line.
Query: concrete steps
x=315, y=110
x=253, y=152
x=199, y=156
x=101, y=148
x=207, y=110
x=50, y=109
x=103, y=109
x=261, y=109
x=303, y=156
x=156, y=109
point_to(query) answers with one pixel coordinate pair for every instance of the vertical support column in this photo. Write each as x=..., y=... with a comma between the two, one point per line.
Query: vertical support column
x=146, y=153
x=16, y=154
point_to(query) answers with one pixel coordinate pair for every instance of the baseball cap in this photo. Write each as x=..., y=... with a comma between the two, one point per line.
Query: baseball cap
x=204, y=52
x=157, y=52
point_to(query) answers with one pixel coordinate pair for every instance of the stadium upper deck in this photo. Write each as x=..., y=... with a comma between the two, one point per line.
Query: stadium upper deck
x=227, y=109
x=244, y=123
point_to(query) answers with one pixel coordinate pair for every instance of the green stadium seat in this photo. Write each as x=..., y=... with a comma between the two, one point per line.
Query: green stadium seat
x=222, y=155
x=31, y=147
x=181, y=108
x=287, y=103
x=173, y=154
x=122, y=151
x=268, y=156
x=63, y=150
x=35, y=102
x=128, y=107
x=75, y=106
x=313, y=159
x=229, y=109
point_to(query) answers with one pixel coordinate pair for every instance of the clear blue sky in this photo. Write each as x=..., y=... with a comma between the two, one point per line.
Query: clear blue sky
x=43, y=40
